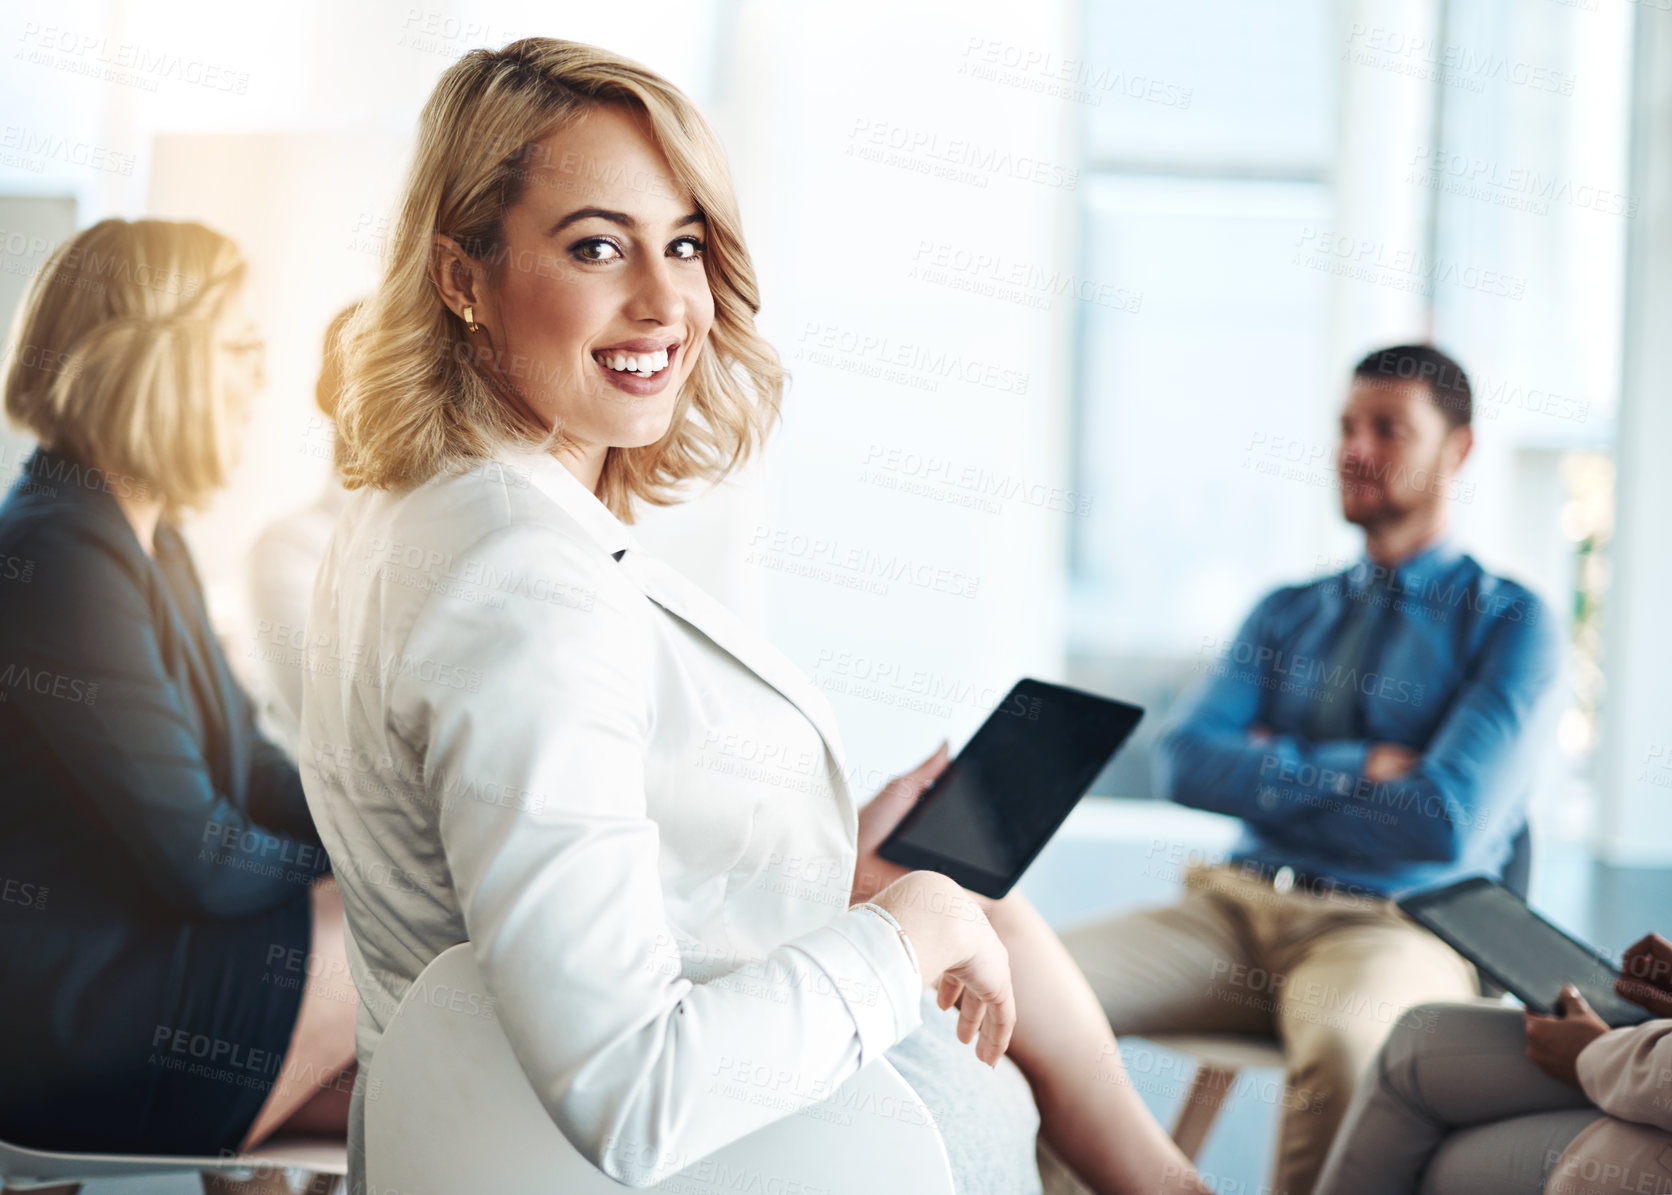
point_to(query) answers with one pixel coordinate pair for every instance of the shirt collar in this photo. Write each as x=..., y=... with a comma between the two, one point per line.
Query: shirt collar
x=1438, y=556
x=563, y=487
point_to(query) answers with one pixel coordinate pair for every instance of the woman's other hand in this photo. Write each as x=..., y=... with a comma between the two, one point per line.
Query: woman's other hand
x=1554, y=1043
x=1646, y=975
x=959, y=954
x=871, y=872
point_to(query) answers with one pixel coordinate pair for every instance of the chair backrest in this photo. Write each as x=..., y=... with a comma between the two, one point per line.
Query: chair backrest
x=448, y=1109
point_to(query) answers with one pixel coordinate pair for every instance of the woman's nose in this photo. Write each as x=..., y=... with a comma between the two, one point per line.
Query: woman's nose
x=657, y=296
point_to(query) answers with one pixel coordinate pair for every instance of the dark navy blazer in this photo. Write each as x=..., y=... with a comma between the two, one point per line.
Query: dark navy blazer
x=155, y=849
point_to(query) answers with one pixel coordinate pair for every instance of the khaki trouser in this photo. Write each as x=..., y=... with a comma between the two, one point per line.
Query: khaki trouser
x=1329, y=975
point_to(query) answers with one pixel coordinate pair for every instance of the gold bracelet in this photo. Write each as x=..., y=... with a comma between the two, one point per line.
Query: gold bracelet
x=899, y=929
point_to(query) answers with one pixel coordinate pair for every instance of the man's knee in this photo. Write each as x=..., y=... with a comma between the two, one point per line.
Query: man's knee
x=1113, y=947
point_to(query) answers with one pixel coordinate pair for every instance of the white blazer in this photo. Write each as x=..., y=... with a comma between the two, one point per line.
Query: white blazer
x=631, y=805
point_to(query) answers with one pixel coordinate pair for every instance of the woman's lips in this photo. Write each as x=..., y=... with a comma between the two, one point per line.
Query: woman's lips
x=632, y=383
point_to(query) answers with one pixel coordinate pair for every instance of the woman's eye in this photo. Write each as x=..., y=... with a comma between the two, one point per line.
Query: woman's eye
x=686, y=248
x=597, y=249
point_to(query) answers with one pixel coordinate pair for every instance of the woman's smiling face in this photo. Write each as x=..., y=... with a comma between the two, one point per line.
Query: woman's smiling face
x=599, y=310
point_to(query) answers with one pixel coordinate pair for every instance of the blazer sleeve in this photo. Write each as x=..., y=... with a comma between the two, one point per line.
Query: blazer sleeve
x=555, y=864
x=1628, y=1073
x=99, y=698
x=275, y=797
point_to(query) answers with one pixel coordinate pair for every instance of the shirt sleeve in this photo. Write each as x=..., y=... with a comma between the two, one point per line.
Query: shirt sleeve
x=1628, y=1073
x=89, y=679
x=1466, y=778
x=1207, y=760
x=558, y=878
x=1472, y=770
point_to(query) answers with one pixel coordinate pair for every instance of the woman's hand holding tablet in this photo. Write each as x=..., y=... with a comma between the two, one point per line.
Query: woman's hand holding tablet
x=990, y=811
x=879, y=816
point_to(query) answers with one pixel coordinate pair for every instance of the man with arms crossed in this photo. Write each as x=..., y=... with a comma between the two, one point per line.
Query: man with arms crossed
x=1377, y=731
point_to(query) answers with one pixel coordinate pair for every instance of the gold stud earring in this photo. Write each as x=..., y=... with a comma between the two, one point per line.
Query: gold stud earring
x=470, y=320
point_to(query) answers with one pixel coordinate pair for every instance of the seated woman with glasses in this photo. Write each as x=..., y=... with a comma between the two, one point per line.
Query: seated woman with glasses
x=173, y=975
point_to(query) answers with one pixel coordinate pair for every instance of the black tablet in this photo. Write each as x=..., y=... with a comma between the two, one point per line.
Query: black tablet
x=996, y=805
x=1522, y=952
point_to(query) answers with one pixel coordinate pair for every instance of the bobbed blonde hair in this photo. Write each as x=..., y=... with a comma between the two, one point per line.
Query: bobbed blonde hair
x=113, y=356
x=328, y=385
x=418, y=398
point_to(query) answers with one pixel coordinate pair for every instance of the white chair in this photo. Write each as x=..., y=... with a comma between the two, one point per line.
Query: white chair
x=448, y=1109
x=48, y=1172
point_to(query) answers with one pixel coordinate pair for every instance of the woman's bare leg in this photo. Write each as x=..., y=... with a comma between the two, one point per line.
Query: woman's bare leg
x=322, y=1044
x=326, y=1112
x=1089, y=1113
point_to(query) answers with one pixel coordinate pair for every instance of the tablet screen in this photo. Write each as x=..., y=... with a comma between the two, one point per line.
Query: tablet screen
x=1494, y=929
x=997, y=804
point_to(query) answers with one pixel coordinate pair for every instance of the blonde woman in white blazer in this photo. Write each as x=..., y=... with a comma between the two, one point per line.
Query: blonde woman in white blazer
x=521, y=730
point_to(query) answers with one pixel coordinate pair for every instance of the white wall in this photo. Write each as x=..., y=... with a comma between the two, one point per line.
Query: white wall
x=300, y=155
x=845, y=246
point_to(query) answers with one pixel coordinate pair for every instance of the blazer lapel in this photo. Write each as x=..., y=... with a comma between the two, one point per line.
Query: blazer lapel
x=684, y=599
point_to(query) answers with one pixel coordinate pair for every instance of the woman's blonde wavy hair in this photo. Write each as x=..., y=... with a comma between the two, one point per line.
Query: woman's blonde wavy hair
x=113, y=359
x=416, y=400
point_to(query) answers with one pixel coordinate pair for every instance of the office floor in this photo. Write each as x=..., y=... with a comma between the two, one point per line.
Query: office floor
x=1077, y=878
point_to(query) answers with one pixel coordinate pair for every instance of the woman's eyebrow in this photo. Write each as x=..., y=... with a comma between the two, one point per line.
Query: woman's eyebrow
x=622, y=218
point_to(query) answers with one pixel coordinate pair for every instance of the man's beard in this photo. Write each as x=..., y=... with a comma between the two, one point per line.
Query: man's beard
x=1394, y=505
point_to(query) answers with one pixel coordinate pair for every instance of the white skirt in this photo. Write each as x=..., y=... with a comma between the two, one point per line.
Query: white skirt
x=986, y=1115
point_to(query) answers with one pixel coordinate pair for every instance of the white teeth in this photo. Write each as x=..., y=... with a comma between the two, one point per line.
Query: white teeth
x=642, y=365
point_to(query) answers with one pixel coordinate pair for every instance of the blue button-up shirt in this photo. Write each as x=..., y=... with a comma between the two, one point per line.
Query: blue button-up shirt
x=1460, y=667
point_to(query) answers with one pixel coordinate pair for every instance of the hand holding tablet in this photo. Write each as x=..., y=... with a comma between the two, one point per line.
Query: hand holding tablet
x=1522, y=952
x=992, y=810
